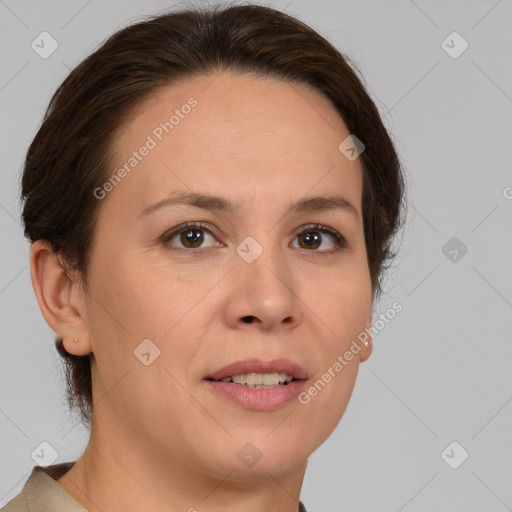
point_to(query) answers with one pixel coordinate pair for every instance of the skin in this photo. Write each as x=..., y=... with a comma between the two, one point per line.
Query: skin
x=161, y=440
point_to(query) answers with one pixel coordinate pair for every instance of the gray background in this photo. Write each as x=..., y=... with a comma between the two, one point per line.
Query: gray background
x=440, y=371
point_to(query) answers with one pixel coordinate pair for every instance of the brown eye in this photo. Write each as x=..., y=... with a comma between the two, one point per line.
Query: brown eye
x=188, y=236
x=194, y=237
x=312, y=238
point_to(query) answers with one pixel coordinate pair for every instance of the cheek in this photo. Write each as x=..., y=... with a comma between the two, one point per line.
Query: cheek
x=344, y=309
x=128, y=306
x=138, y=300
x=342, y=305
x=323, y=403
x=134, y=302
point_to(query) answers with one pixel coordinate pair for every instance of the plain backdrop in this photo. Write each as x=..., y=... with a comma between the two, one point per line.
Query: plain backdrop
x=430, y=420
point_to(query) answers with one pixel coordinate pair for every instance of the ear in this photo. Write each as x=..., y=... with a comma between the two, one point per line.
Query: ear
x=366, y=350
x=60, y=298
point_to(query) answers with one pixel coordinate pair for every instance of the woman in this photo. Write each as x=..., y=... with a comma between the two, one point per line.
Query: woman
x=211, y=201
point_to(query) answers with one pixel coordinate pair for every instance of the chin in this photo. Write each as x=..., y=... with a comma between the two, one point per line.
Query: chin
x=258, y=455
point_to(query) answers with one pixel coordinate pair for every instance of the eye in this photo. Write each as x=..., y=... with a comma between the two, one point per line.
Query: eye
x=310, y=239
x=190, y=235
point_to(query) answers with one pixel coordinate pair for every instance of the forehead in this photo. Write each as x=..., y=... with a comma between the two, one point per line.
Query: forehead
x=218, y=132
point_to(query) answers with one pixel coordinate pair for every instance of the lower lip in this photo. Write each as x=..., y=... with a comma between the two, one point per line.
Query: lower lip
x=258, y=399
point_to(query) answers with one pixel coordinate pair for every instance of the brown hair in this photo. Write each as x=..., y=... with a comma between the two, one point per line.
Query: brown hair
x=68, y=158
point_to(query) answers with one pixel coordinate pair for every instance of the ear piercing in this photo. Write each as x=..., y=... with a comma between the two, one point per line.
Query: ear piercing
x=75, y=340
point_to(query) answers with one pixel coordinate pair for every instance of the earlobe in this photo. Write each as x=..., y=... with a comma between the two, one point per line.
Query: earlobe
x=57, y=295
x=77, y=346
x=367, y=345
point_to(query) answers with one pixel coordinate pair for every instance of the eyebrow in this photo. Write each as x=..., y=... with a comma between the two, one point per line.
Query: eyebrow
x=217, y=203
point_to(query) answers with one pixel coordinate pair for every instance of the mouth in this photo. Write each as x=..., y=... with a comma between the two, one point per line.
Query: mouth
x=258, y=385
x=258, y=374
x=254, y=380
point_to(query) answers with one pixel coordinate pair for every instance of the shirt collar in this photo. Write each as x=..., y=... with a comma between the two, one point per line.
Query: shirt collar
x=44, y=494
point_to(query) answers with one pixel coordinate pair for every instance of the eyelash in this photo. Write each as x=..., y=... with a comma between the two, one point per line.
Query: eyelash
x=340, y=242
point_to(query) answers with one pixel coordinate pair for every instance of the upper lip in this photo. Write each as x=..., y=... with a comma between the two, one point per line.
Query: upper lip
x=259, y=366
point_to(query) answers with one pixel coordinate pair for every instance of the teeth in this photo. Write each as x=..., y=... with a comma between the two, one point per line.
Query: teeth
x=253, y=379
x=239, y=379
x=270, y=379
x=260, y=379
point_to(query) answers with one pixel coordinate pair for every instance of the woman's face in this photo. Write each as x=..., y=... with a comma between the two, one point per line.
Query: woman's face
x=206, y=296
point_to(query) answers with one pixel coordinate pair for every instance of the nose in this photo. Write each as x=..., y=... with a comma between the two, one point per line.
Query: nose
x=263, y=290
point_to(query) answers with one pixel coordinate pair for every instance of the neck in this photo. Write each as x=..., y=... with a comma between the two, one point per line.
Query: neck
x=108, y=476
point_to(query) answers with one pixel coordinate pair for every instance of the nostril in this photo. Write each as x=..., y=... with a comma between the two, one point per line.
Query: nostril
x=248, y=319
